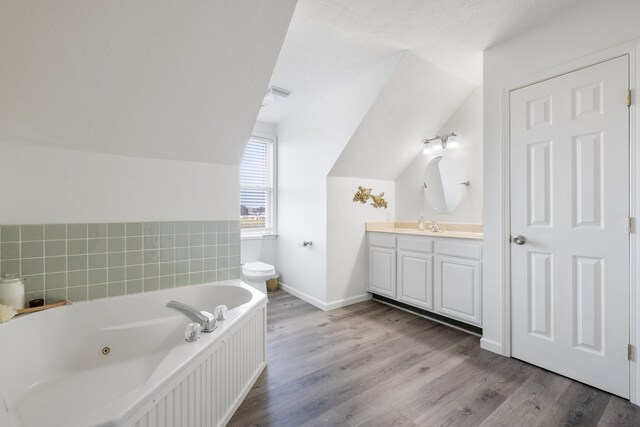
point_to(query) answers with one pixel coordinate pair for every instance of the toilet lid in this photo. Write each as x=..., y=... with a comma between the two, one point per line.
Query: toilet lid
x=258, y=267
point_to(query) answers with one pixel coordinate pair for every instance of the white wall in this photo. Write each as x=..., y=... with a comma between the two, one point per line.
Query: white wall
x=265, y=128
x=346, y=237
x=467, y=123
x=259, y=248
x=309, y=142
x=52, y=185
x=152, y=80
x=596, y=26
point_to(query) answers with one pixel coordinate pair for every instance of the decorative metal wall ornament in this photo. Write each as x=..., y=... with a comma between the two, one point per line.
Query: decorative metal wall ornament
x=364, y=194
x=379, y=201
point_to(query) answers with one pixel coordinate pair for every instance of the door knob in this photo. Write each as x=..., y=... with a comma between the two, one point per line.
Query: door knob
x=519, y=240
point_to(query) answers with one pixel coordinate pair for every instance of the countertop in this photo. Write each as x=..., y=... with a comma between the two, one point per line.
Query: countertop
x=447, y=229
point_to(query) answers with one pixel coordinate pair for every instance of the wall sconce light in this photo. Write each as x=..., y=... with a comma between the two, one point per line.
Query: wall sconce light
x=429, y=144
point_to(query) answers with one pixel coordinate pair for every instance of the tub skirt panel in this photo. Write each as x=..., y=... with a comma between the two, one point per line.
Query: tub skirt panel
x=209, y=392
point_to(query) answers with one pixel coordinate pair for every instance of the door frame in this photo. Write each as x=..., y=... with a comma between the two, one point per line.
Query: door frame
x=632, y=49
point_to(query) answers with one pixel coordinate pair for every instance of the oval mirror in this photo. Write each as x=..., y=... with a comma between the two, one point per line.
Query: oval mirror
x=444, y=191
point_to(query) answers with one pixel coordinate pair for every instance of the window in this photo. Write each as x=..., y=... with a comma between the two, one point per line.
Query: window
x=257, y=194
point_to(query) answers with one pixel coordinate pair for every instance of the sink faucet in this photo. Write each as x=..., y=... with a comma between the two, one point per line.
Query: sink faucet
x=434, y=227
x=204, y=318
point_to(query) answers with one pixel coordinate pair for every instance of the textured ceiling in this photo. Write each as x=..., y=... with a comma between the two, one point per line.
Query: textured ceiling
x=156, y=78
x=332, y=41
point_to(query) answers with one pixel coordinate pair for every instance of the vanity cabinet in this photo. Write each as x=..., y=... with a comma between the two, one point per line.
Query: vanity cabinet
x=438, y=274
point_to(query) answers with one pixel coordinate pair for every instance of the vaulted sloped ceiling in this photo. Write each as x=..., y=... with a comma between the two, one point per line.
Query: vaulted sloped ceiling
x=156, y=78
x=414, y=103
x=330, y=42
x=333, y=41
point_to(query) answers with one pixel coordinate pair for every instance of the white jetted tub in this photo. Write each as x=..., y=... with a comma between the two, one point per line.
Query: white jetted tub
x=53, y=371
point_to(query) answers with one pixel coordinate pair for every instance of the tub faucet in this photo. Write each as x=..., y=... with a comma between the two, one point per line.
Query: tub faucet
x=204, y=318
x=434, y=227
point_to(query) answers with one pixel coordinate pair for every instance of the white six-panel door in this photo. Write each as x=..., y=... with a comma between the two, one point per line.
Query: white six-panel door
x=569, y=142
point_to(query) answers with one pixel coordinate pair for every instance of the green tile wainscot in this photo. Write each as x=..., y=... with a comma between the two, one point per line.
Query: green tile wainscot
x=99, y=260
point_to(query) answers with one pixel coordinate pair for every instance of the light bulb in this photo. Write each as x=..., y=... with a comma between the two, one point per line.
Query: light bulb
x=453, y=144
x=437, y=147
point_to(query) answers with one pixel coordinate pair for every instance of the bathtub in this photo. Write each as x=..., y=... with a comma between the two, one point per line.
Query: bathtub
x=54, y=370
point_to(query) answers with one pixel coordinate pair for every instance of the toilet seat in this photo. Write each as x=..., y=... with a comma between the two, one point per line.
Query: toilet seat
x=258, y=268
x=256, y=273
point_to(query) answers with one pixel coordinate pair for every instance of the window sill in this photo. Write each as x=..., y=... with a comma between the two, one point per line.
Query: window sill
x=259, y=236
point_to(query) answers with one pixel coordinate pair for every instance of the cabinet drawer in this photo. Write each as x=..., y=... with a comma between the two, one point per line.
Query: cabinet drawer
x=459, y=249
x=382, y=240
x=418, y=244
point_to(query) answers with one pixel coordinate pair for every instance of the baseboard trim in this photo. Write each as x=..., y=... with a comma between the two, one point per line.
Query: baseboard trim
x=304, y=297
x=491, y=345
x=321, y=305
x=348, y=301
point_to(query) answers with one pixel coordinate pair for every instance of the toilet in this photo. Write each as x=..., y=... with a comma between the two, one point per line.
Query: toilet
x=256, y=275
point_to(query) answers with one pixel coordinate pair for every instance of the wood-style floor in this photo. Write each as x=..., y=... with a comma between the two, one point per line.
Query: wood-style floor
x=373, y=365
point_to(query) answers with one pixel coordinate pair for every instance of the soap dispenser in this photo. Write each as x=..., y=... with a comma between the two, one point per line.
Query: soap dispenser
x=421, y=223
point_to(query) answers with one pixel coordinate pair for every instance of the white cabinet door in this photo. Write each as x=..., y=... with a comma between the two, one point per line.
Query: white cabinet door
x=415, y=278
x=569, y=204
x=458, y=288
x=382, y=271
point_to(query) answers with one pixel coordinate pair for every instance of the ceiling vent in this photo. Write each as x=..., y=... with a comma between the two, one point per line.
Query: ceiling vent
x=274, y=94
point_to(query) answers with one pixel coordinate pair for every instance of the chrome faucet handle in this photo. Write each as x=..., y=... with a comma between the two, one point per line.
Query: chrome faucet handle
x=192, y=332
x=210, y=324
x=220, y=312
